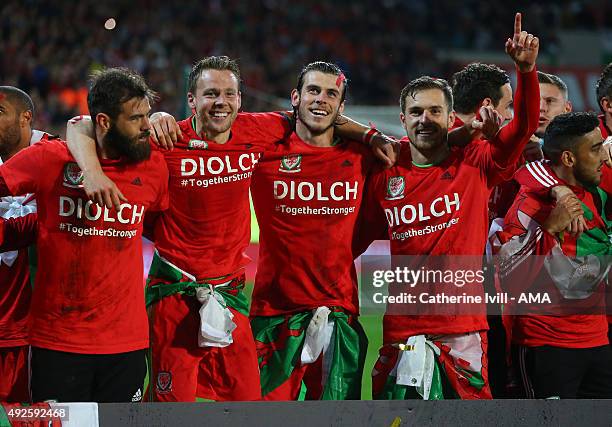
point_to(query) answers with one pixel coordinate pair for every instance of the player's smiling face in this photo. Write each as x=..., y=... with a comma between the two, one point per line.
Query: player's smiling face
x=216, y=103
x=319, y=102
x=427, y=119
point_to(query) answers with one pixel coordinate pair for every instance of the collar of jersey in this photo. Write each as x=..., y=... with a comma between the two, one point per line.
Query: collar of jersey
x=193, y=128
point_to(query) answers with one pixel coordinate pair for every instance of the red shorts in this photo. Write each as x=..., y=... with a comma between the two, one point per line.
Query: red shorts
x=14, y=384
x=182, y=371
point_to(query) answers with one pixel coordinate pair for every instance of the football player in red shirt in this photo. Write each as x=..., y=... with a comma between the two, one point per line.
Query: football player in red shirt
x=88, y=326
x=435, y=202
x=561, y=346
x=16, y=117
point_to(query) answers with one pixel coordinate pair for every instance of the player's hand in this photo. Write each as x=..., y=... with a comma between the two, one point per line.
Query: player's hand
x=489, y=123
x=533, y=150
x=523, y=47
x=565, y=211
x=102, y=190
x=165, y=130
x=577, y=226
x=385, y=148
x=81, y=125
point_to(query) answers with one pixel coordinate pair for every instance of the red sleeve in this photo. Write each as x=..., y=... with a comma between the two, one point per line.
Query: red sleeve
x=19, y=232
x=537, y=177
x=265, y=129
x=508, y=144
x=521, y=239
x=371, y=223
x=23, y=173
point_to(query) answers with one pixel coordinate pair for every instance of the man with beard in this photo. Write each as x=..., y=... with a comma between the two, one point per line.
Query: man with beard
x=88, y=325
x=562, y=346
x=447, y=220
x=16, y=116
x=307, y=193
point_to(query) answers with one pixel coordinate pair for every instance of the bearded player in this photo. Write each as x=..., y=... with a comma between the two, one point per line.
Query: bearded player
x=451, y=189
x=89, y=283
x=16, y=117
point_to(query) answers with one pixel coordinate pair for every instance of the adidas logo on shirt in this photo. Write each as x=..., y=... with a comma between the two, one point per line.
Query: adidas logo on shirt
x=347, y=163
x=446, y=175
x=137, y=396
x=137, y=181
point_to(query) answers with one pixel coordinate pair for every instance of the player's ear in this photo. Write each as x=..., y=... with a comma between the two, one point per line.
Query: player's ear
x=25, y=118
x=239, y=100
x=486, y=102
x=103, y=121
x=191, y=101
x=295, y=98
x=402, y=118
x=451, y=119
x=568, y=106
x=341, y=108
x=605, y=104
x=568, y=159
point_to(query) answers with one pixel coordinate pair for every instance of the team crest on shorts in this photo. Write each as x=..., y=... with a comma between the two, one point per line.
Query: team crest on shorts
x=73, y=175
x=197, y=144
x=164, y=382
x=291, y=163
x=395, y=188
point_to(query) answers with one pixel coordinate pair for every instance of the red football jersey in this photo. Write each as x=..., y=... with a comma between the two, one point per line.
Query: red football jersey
x=15, y=272
x=89, y=294
x=307, y=201
x=207, y=228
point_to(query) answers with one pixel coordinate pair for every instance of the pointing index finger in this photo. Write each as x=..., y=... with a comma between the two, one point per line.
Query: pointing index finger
x=517, y=24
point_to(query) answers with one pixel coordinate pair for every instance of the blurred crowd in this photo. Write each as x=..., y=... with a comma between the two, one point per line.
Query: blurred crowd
x=50, y=47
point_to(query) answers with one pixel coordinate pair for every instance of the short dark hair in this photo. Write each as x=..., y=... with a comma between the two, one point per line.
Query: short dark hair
x=18, y=98
x=563, y=133
x=212, y=63
x=323, y=67
x=474, y=83
x=604, y=85
x=551, y=79
x=111, y=87
x=424, y=83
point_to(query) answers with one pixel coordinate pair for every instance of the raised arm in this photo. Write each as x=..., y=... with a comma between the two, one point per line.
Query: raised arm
x=82, y=146
x=509, y=143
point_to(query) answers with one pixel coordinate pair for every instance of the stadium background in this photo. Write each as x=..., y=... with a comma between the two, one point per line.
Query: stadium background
x=50, y=47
